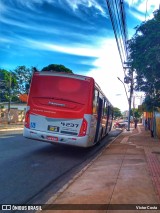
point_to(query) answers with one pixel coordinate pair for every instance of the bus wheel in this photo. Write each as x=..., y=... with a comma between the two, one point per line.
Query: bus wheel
x=101, y=135
x=98, y=143
x=100, y=138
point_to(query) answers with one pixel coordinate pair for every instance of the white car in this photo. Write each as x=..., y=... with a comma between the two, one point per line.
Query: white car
x=121, y=124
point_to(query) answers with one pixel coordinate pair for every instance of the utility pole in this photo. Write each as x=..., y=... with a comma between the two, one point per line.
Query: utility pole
x=129, y=79
x=130, y=101
x=9, y=101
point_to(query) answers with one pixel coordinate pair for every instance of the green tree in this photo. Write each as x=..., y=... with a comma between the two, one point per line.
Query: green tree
x=23, y=76
x=8, y=86
x=144, y=57
x=57, y=68
x=151, y=102
x=116, y=112
x=136, y=113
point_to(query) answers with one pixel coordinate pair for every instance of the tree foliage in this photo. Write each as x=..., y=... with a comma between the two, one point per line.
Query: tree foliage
x=57, y=68
x=8, y=86
x=23, y=77
x=116, y=112
x=144, y=57
x=136, y=113
x=151, y=103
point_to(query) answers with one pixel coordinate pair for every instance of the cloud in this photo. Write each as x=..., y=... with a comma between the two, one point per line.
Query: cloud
x=108, y=69
x=76, y=4
x=150, y=6
x=5, y=40
x=15, y=23
x=79, y=49
x=141, y=9
x=32, y=4
x=137, y=15
x=52, y=20
x=3, y=7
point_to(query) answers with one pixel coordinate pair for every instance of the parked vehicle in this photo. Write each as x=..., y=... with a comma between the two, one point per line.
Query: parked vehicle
x=121, y=124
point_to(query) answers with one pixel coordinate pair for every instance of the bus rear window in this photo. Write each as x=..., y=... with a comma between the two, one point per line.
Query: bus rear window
x=69, y=89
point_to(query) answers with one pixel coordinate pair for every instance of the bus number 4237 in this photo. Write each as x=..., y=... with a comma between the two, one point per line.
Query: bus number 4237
x=69, y=124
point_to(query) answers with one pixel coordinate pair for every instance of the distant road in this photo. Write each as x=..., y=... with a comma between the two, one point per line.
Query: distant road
x=32, y=171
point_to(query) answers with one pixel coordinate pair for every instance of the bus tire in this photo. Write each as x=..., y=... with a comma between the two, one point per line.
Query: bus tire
x=100, y=138
x=101, y=135
x=98, y=143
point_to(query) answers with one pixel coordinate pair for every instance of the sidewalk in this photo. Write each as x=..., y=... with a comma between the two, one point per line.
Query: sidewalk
x=126, y=172
x=9, y=127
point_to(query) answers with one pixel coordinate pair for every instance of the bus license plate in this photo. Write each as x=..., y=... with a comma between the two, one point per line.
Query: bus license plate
x=53, y=128
x=52, y=138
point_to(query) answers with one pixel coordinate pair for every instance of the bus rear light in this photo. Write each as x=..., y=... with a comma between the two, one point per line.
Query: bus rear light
x=27, y=120
x=83, y=129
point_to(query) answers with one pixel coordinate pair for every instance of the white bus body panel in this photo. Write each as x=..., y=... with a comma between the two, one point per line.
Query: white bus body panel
x=67, y=130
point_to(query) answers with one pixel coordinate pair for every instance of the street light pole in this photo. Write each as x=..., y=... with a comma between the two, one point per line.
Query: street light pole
x=124, y=88
x=9, y=101
x=129, y=111
x=128, y=99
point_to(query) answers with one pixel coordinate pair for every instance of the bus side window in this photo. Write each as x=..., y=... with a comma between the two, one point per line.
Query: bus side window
x=111, y=113
x=95, y=102
x=101, y=97
x=108, y=111
x=105, y=108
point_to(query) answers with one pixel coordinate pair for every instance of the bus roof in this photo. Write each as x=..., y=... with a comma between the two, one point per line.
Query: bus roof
x=63, y=74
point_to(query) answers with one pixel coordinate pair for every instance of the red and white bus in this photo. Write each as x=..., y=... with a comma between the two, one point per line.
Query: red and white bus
x=68, y=109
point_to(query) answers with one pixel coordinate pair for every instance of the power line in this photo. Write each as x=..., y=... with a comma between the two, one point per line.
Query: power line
x=114, y=25
x=118, y=19
x=120, y=26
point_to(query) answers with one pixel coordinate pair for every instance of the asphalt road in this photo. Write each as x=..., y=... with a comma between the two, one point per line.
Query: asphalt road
x=32, y=171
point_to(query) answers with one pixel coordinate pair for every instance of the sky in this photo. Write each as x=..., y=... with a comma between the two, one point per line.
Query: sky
x=75, y=33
